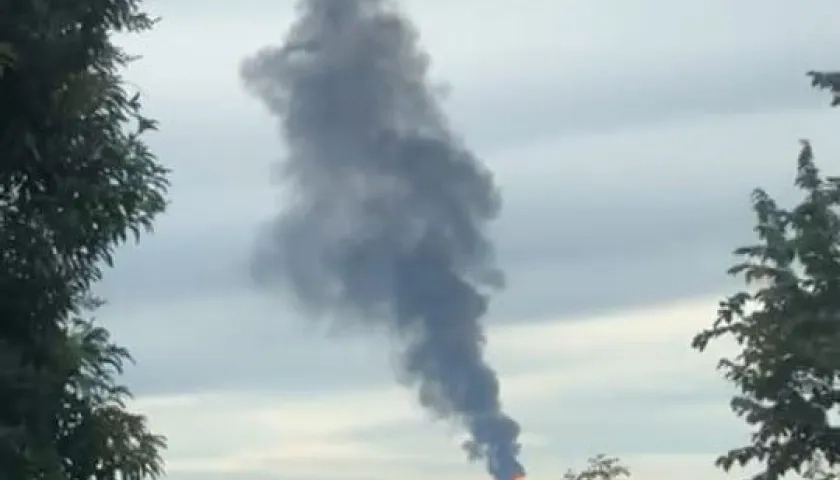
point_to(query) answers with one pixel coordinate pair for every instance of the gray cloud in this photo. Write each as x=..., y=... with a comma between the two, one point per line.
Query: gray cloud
x=553, y=267
x=557, y=98
x=635, y=428
x=565, y=100
x=635, y=233
x=595, y=219
x=236, y=351
x=605, y=238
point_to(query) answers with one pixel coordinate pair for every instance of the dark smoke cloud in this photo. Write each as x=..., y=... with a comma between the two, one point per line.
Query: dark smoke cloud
x=386, y=214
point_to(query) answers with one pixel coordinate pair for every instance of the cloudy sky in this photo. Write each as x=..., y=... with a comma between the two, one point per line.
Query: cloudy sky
x=626, y=135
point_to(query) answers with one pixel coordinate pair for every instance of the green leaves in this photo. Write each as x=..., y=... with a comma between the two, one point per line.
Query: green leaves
x=787, y=324
x=104, y=441
x=600, y=467
x=827, y=81
x=76, y=181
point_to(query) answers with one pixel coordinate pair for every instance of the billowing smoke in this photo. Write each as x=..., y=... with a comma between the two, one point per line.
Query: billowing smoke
x=386, y=216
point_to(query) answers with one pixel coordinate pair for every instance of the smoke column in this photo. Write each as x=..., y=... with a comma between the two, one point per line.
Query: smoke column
x=385, y=222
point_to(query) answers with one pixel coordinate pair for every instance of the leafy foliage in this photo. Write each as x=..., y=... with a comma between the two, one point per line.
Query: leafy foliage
x=817, y=470
x=99, y=421
x=788, y=329
x=827, y=81
x=600, y=467
x=76, y=180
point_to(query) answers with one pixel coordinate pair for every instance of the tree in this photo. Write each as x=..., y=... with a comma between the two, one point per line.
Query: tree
x=76, y=180
x=817, y=470
x=787, y=326
x=600, y=467
x=827, y=81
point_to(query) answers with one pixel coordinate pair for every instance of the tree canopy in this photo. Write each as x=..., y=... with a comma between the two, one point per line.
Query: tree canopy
x=600, y=467
x=787, y=326
x=827, y=81
x=76, y=181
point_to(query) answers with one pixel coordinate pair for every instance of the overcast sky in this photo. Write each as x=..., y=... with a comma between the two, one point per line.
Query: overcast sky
x=626, y=136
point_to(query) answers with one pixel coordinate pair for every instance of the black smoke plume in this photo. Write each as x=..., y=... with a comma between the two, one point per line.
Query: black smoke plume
x=386, y=217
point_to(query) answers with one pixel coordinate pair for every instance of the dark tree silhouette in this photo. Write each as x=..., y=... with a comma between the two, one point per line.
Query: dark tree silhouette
x=75, y=181
x=827, y=81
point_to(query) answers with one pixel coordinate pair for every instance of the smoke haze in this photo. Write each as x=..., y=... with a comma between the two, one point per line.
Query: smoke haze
x=386, y=212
